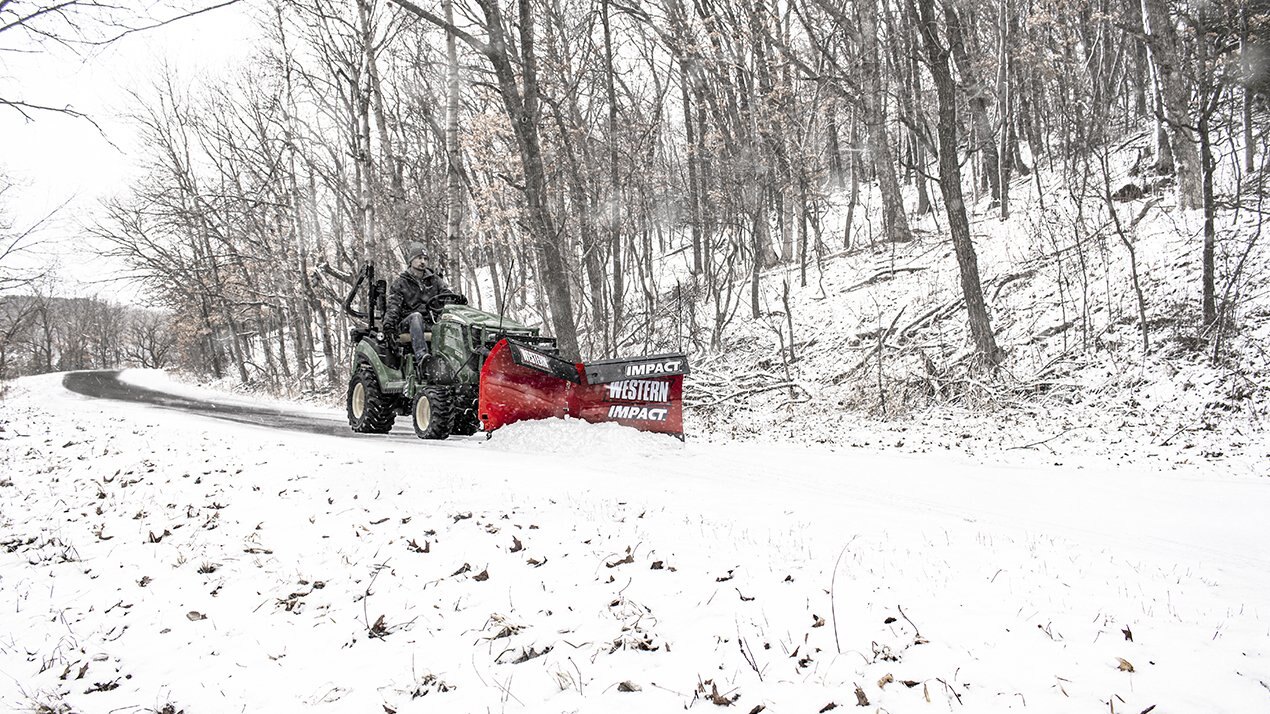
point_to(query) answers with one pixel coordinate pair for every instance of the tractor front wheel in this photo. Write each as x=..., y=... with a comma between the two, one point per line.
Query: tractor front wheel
x=433, y=412
x=370, y=411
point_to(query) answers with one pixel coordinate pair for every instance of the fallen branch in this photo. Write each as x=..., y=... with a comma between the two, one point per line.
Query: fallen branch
x=886, y=273
x=748, y=393
x=1046, y=441
x=1174, y=435
x=881, y=341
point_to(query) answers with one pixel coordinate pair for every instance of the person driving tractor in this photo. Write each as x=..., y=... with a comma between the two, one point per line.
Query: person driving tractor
x=409, y=297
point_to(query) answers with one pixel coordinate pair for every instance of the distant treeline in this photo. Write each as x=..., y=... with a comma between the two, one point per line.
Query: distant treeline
x=40, y=334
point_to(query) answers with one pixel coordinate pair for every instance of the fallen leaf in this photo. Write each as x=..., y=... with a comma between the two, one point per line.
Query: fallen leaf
x=195, y=616
x=860, y=699
x=103, y=687
x=658, y=565
x=531, y=653
x=720, y=700
x=516, y=546
x=630, y=558
x=827, y=707
x=414, y=547
x=818, y=621
x=481, y=576
x=1125, y=665
x=628, y=687
x=885, y=680
x=758, y=709
x=464, y=569
x=1128, y=634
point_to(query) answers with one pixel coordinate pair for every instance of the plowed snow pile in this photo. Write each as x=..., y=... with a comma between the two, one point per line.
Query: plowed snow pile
x=154, y=560
x=574, y=436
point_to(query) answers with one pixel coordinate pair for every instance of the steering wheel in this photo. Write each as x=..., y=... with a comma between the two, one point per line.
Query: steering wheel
x=440, y=300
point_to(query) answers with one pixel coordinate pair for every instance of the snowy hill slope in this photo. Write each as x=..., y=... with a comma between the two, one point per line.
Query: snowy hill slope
x=1060, y=291
x=161, y=561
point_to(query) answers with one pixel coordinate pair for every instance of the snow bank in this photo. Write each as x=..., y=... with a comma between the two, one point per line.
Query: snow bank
x=574, y=436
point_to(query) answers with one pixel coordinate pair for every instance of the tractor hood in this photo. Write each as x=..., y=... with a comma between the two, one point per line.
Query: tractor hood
x=468, y=315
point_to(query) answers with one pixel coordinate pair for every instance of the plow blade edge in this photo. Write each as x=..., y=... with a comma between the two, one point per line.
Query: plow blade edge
x=519, y=383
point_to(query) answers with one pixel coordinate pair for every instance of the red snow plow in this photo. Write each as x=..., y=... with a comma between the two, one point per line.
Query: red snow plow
x=519, y=382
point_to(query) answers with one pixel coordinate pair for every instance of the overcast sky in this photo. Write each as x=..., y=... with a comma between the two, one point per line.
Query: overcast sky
x=59, y=159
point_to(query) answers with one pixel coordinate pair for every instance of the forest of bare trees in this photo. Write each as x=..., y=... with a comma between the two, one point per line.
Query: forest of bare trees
x=555, y=153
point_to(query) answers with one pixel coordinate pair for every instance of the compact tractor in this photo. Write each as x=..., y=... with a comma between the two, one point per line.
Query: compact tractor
x=484, y=371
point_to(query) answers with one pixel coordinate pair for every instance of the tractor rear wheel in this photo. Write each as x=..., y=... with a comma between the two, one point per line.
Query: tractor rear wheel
x=433, y=412
x=370, y=411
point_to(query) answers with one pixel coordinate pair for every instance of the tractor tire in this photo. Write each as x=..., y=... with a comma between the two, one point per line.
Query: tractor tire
x=370, y=411
x=465, y=422
x=433, y=412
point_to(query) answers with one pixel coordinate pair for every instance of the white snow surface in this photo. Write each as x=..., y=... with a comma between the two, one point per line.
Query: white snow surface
x=151, y=558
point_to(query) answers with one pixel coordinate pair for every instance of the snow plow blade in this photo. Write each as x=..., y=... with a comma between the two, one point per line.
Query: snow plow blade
x=519, y=383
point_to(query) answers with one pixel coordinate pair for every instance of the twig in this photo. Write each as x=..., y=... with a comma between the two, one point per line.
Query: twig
x=916, y=630
x=947, y=688
x=365, y=597
x=1174, y=434
x=833, y=603
x=1046, y=441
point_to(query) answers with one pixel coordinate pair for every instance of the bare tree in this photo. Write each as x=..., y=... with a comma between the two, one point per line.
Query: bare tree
x=950, y=185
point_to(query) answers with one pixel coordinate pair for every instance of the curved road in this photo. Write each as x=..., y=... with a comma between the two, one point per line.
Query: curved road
x=107, y=385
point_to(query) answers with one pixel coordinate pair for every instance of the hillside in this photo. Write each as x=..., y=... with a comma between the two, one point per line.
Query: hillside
x=881, y=352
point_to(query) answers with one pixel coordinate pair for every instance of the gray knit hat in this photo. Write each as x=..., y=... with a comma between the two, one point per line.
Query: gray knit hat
x=414, y=250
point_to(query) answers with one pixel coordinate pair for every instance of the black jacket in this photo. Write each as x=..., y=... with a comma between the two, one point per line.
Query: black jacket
x=408, y=294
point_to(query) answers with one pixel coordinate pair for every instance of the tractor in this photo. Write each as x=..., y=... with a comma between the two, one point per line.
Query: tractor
x=484, y=371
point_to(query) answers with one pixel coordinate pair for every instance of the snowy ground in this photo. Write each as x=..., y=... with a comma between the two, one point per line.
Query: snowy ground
x=154, y=560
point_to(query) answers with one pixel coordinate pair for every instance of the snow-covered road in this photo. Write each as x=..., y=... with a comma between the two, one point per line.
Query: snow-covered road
x=150, y=557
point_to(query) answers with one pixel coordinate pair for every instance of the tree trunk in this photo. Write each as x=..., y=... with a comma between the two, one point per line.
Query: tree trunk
x=1162, y=46
x=976, y=98
x=1246, y=66
x=1207, y=166
x=895, y=220
x=453, y=151
x=759, y=235
x=523, y=111
x=1005, y=89
x=615, y=189
x=694, y=197
x=950, y=187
